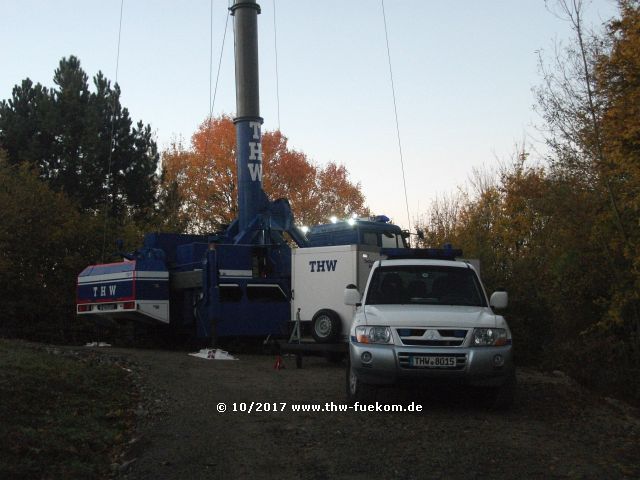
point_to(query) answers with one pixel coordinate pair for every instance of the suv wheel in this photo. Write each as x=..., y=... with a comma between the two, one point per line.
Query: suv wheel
x=358, y=391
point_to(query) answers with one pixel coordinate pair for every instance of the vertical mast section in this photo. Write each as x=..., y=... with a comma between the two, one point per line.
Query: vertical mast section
x=248, y=122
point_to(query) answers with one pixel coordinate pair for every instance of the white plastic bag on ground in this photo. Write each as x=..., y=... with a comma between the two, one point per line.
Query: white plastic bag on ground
x=213, y=354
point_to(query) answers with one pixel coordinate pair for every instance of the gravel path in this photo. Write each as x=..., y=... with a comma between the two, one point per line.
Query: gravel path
x=555, y=430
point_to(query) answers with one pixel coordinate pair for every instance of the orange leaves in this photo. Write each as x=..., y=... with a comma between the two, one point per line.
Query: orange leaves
x=618, y=77
x=339, y=195
x=205, y=175
x=289, y=174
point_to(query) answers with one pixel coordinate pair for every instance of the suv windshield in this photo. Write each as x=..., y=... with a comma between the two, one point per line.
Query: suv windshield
x=425, y=284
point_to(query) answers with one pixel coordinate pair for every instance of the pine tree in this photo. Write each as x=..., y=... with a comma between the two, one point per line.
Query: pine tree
x=82, y=142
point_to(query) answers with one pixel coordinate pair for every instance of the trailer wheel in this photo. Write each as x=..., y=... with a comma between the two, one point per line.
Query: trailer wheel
x=325, y=326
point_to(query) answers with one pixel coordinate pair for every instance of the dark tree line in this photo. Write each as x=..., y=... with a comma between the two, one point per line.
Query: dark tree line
x=66, y=154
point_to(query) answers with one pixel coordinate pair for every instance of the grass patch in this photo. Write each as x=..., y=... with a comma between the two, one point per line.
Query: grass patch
x=62, y=416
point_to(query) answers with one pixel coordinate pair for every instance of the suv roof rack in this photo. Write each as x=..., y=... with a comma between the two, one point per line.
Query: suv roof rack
x=446, y=253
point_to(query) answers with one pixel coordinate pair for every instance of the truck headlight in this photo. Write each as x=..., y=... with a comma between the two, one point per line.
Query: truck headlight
x=489, y=337
x=368, y=334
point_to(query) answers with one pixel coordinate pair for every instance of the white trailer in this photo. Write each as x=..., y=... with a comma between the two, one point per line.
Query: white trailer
x=319, y=277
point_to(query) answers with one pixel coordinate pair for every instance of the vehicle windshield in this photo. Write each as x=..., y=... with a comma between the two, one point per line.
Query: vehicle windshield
x=425, y=284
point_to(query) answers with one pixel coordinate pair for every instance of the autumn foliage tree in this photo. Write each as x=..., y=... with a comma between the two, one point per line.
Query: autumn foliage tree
x=204, y=177
x=563, y=236
x=618, y=79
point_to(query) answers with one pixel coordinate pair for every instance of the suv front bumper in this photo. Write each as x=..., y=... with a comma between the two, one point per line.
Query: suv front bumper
x=478, y=366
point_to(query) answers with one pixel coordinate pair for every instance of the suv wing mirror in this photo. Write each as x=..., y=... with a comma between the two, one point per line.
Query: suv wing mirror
x=352, y=295
x=499, y=300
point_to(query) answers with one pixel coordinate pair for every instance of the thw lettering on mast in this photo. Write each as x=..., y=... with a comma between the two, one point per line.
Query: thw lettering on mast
x=255, y=154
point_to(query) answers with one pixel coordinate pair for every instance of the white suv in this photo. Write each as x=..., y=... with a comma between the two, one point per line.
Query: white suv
x=425, y=319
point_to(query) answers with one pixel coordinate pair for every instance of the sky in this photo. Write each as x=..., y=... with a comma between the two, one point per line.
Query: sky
x=463, y=73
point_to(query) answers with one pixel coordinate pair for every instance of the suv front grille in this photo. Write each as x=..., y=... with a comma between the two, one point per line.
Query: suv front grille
x=434, y=337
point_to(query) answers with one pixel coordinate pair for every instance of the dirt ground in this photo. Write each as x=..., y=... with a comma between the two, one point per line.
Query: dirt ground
x=555, y=430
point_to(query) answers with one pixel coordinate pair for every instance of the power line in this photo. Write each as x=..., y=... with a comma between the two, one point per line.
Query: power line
x=113, y=120
x=395, y=109
x=224, y=36
x=275, y=42
x=212, y=101
x=210, y=53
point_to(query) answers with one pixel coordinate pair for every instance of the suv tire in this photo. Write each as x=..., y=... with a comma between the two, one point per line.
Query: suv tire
x=358, y=391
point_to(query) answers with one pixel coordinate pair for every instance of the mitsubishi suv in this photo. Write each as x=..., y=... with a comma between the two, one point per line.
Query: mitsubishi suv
x=425, y=318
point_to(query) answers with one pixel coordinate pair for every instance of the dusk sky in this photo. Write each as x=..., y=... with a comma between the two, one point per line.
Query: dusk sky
x=463, y=74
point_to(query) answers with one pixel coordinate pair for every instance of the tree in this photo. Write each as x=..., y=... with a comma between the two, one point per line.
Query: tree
x=168, y=216
x=205, y=177
x=441, y=222
x=24, y=124
x=618, y=80
x=289, y=174
x=338, y=196
x=44, y=243
x=82, y=142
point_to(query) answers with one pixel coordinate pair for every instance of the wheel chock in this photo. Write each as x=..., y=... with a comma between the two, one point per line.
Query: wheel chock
x=279, y=365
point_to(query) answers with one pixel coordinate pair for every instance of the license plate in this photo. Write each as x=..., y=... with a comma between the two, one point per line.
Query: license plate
x=433, y=362
x=107, y=306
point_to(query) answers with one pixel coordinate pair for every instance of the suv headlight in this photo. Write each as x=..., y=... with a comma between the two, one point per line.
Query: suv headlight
x=489, y=337
x=368, y=334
